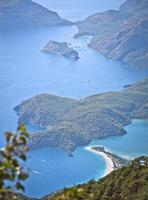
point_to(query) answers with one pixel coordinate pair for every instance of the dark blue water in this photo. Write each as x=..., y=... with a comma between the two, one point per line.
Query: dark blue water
x=25, y=71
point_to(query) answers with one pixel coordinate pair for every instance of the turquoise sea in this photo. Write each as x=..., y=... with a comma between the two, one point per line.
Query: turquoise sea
x=25, y=71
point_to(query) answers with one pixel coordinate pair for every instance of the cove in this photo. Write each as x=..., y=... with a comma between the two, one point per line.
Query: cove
x=53, y=169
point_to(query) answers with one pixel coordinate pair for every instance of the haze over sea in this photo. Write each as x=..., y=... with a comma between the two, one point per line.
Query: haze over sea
x=25, y=71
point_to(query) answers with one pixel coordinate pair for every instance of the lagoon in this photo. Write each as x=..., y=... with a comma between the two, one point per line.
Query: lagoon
x=53, y=169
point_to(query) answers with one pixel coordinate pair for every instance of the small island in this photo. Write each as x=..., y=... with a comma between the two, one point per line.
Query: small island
x=60, y=48
x=113, y=161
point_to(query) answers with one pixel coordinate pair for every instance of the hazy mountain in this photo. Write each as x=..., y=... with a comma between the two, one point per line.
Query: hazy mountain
x=26, y=13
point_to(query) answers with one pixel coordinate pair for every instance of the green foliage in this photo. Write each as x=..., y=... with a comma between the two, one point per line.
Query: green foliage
x=12, y=158
x=72, y=194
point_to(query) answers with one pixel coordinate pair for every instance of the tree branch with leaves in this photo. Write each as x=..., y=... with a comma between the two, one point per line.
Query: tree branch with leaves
x=12, y=158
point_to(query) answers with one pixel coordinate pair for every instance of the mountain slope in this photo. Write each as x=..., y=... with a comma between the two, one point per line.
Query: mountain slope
x=134, y=5
x=122, y=34
x=16, y=196
x=26, y=13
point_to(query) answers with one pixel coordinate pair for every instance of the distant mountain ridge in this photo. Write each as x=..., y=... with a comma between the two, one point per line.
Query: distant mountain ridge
x=26, y=13
x=120, y=35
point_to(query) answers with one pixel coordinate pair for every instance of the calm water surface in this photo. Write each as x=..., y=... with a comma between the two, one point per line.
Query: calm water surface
x=25, y=71
x=53, y=169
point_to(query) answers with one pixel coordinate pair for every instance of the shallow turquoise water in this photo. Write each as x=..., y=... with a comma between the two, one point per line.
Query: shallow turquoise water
x=25, y=71
x=131, y=145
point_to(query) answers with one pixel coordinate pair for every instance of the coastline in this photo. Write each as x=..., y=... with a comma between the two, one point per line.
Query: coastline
x=108, y=160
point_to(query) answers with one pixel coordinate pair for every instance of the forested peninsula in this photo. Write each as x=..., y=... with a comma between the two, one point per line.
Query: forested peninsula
x=69, y=123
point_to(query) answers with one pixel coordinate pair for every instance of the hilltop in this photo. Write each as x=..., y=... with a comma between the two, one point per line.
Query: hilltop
x=70, y=123
x=26, y=13
x=120, y=35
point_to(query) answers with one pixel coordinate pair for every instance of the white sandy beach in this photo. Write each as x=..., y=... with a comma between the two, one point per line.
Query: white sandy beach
x=108, y=160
